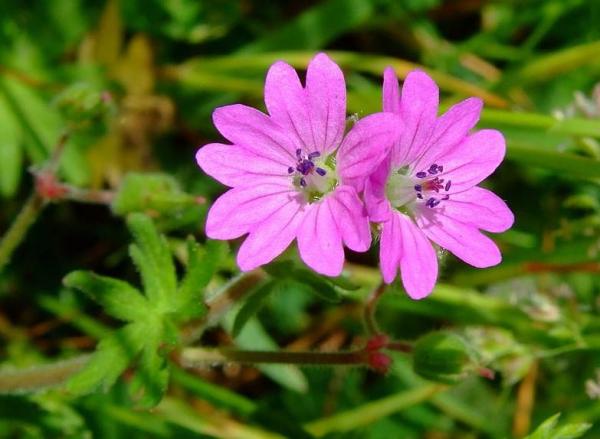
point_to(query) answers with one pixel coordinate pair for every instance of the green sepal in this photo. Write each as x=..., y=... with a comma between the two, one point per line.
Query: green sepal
x=443, y=357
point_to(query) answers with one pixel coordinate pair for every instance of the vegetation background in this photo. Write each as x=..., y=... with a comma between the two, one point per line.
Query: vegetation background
x=102, y=107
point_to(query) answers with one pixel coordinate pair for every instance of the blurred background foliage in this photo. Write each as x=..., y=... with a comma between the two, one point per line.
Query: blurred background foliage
x=131, y=85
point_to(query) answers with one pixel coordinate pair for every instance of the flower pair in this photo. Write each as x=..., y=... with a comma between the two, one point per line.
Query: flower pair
x=295, y=174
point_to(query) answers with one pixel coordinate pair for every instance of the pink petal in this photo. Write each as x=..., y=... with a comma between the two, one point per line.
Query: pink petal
x=473, y=160
x=479, y=208
x=351, y=218
x=463, y=240
x=450, y=130
x=235, y=212
x=418, y=262
x=366, y=145
x=418, y=109
x=390, y=248
x=391, y=91
x=320, y=241
x=255, y=131
x=234, y=165
x=376, y=202
x=326, y=92
x=287, y=104
x=270, y=238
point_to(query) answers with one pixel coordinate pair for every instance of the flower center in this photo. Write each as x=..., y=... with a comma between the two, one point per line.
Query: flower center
x=405, y=191
x=313, y=174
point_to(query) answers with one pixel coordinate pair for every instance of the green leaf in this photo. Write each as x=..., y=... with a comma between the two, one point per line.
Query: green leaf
x=202, y=265
x=252, y=305
x=320, y=286
x=11, y=151
x=308, y=31
x=152, y=256
x=549, y=430
x=118, y=298
x=152, y=375
x=254, y=336
x=113, y=354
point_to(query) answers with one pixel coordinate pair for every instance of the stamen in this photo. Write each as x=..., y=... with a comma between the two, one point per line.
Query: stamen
x=421, y=174
x=440, y=168
x=419, y=196
x=432, y=169
x=314, y=155
x=302, y=182
x=447, y=188
x=299, y=153
x=290, y=170
x=321, y=172
x=418, y=187
x=446, y=197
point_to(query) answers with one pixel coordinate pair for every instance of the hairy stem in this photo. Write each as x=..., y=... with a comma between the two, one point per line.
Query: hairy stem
x=31, y=209
x=194, y=357
x=18, y=229
x=40, y=377
x=371, y=309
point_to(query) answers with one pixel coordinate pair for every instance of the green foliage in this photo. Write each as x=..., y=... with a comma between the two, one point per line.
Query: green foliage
x=549, y=429
x=135, y=82
x=150, y=333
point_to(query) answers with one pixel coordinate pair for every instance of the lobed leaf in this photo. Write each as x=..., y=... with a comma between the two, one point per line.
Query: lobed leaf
x=117, y=297
x=152, y=256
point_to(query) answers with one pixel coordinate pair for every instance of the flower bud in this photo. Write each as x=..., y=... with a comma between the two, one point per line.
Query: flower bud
x=444, y=357
x=84, y=105
x=157, y=194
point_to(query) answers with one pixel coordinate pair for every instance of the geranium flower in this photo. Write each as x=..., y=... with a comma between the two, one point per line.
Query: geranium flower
x=426, y=188
x=293, y=173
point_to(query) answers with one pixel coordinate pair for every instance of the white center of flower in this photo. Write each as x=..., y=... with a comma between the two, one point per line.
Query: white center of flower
x=313, y=174
x=404, y=190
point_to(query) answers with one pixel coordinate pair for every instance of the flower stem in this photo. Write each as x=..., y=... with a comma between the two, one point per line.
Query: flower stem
x=194, y=357
x=18, y=229
x=371, y=308
x=40, y=377
x=32, y=208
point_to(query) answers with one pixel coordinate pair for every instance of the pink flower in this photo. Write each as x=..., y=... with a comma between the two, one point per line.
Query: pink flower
x=426, y=188
x=293, y=173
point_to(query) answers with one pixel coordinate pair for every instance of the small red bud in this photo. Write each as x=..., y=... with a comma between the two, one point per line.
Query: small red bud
x=377, y=342
x=379, y=362
x=49, y=188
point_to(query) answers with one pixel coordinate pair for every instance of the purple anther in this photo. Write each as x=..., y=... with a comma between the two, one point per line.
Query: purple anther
x=446, y=197
x=290, y=170
x=321, y=171
x=447, y=188
x=421, y=174
x=314, y=155
x=305, y=167
x=303, y=182
x=299, y=153
x=419, y=196
x=418, y=187
x=435, y=203
x=433, y=169
x=440, y=168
